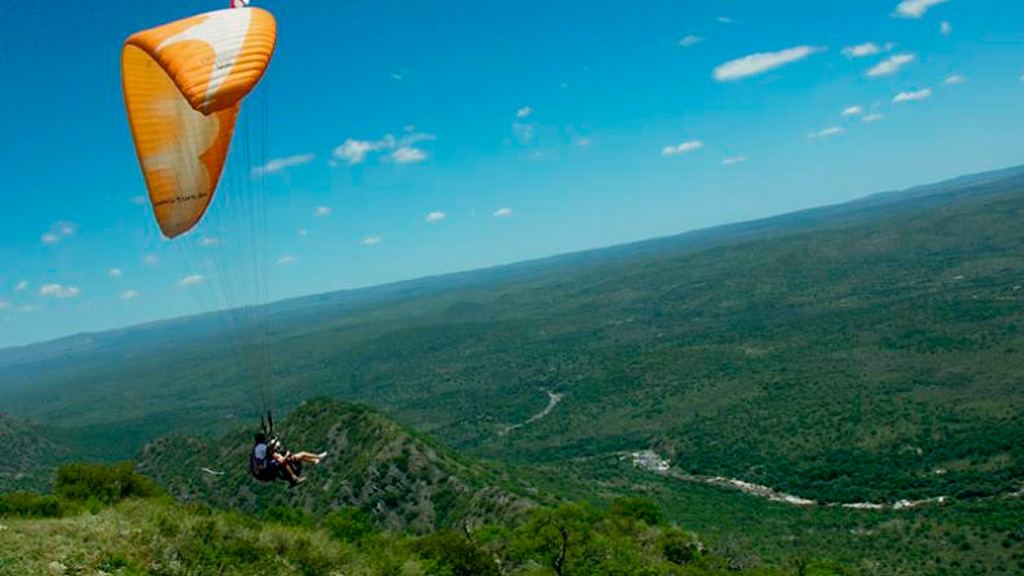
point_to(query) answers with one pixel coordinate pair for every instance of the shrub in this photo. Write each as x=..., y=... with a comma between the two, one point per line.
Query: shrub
x=637, y=509
x=349, y=524
x=104, y=483
x=451, y=553
x=30, y=505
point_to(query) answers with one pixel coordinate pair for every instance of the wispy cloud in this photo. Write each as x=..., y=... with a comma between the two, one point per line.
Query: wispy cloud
x=21, y=286
x=436, y=216
x=525, y=133
x=396, y=77
x=208, y=241
x=371, y=241
x=690, y=40
x=400, y=150
x=853, y=111
x=890, y=65
x=524, y=112
x=724, y=20
x=115, y=272
x=30, y=308
x=286, y=260
x=861, y=50
x=912, y=96
x=322, y=211
x=945, y=28
x=139, y=200
x=762, y=62
x=826, y=132
x=129, y=295
x=191, y=280
x=503, y=212
x=733, y=160
x=280, y=164
x=151, y=260
x=873, y=118
x=302, y=232
x=584, y=142
x=682, y=148
x=915, y=8
x=59, y=291
x=58, y=231
x=955, y=79
x=5, y=305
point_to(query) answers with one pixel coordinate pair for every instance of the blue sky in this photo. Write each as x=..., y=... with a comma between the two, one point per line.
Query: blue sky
x=481, y=133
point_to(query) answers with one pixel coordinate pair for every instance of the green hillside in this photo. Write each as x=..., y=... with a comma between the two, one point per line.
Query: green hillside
x=408, y=483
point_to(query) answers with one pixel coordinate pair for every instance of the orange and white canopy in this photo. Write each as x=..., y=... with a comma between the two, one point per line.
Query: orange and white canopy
x=183, y=85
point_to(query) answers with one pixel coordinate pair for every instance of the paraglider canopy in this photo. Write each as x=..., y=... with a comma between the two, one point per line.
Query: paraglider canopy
x=183, y=85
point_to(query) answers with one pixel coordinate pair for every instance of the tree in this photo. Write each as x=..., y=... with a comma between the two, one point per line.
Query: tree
x=637, y=509
x=562, y=539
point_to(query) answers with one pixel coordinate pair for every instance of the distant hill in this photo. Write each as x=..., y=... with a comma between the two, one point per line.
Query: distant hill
x=405, y=481
x=31, y=453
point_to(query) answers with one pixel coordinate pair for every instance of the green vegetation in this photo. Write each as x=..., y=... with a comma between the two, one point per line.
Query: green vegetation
x=137, y=532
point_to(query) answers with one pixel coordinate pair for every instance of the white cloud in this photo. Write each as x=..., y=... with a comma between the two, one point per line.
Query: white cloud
x=66, y=228
x=733, y=160
x=436, y=217
x=30, y=308
x=280, y=164
x=524, y=112
x=210, y=241
x=563, y=85
x=915, y=8
x=890, y=65
x=21, y=286
x=503, y=212
x=371, y=241
x=354, y=151
x=524, y=133
x=116, y=272
x=682, y=148
x=58, y=231
x=151, y=260
x=913, y=96
x=873, y=117
x=50, y=238
x=955, y=79
x=853, y=111
x=724, y=20
x=826, y=132
x=139, y=200
x=129, y=295
x=408, y=155
x=861, y=50
x=945, y=28
x=322, y=211
x=690, y=40
x=286, y=260
x=762, y=62
x=584, y=142
x=396, y=77
x=58, y=291
x=191, y=280
x=302, y=232
x=5, y=305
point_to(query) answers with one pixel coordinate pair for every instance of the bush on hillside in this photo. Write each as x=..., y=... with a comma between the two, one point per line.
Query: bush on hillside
x=105, y=483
